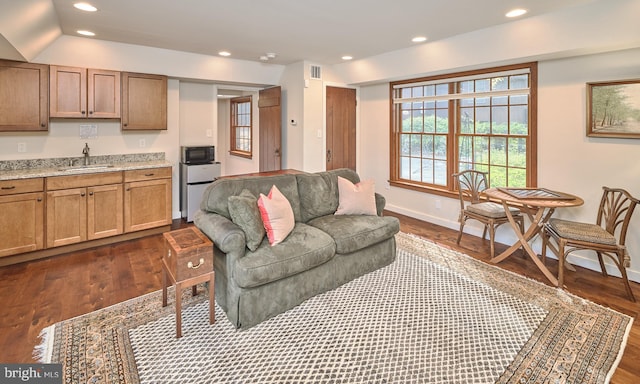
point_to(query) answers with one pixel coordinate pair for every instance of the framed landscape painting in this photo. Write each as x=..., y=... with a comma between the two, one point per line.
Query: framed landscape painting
x=613, y=109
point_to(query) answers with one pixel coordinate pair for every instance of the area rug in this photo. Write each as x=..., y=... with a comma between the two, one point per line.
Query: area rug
x=432, y=316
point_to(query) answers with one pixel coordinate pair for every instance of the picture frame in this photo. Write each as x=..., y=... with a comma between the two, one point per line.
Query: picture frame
x=613, y=109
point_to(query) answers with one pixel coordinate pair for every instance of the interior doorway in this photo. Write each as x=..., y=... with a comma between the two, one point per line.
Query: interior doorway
x=270, y=118
x=341, y=128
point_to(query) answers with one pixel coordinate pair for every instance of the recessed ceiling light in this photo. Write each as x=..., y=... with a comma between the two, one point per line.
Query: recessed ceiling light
x=419, y=39
x=85, y=7
x=224, y=53
x=516, y=12
x=85, y=33
x=347, y=57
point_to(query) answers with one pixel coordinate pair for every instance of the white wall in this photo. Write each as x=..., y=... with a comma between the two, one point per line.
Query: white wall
x=567, y=159
x=198, y=114
x=292, y=101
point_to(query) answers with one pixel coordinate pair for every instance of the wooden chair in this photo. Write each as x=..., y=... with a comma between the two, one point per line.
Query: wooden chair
x=606, y=237
x=470, y=185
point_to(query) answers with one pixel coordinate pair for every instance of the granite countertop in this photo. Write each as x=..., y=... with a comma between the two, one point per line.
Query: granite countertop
x=26, y=169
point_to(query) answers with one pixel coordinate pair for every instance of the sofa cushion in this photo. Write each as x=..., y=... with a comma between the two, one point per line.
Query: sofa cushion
x=305, y=247
x=276, y=214
x=355, y=232
x=245, y=214
x=319, y=192
x=356, y=199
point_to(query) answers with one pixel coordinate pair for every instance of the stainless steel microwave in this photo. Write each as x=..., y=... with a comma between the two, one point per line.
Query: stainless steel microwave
x=198, y=155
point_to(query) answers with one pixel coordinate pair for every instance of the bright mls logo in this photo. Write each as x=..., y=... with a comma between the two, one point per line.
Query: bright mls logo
x=31, y=373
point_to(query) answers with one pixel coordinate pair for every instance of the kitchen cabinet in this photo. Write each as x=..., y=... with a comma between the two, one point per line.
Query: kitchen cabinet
x=147, y=198
x=24, y=96
x=22, y=218
x=84, y=93
x=83, y=207
x=144, y=101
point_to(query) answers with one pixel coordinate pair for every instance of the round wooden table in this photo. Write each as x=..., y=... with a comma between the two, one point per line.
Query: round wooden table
x=538, y=204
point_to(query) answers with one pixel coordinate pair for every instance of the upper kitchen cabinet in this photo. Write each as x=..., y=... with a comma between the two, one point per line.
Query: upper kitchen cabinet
x=144, y=101
x=84, y=93
x=24, y=96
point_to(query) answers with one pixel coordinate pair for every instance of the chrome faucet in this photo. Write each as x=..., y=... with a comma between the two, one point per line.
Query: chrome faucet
x=85, y=152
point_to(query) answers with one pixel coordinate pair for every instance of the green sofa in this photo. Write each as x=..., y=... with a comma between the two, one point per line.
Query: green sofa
x=322, y=252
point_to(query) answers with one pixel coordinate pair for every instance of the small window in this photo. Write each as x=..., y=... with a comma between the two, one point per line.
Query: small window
x=241, y=127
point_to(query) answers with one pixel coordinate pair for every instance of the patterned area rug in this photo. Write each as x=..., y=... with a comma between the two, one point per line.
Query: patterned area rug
x=434, y=315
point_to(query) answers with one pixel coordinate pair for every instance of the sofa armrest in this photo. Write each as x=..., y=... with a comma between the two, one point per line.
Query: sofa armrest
x=226, y=235
x=380, y=203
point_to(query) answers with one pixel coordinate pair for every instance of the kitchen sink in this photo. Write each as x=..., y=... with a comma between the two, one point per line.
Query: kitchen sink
x=85, y=167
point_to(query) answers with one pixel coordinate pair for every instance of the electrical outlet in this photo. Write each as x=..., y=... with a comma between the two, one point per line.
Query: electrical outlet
x=438, y=204
x=22, y=147
x=142, y=143
x=209, y=133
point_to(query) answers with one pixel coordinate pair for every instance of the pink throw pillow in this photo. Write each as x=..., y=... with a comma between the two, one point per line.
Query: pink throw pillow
x=356, y=199
x=277, y=215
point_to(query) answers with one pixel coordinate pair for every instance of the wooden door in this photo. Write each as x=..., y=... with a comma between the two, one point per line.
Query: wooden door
x=104, y=211
x=270, y=116
x=103, y=94
x=147, y=204
x=341, y=128
x=21, y=223
x=24, y=96
x=144, y=101
x=68, y=91
x=66, y=217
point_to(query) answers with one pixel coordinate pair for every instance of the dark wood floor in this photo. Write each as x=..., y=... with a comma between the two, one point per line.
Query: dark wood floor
x=37, y=294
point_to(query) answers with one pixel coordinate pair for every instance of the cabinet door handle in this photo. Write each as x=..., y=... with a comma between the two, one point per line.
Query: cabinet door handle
x=82, y=112
x=11, y=187
x=91, y=112
x=39, y=199
x=82, y=194
x=149, y=174
x=43, y=125
x=90, y=193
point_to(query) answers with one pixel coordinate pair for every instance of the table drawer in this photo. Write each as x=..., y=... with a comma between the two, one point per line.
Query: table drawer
x=12, y=187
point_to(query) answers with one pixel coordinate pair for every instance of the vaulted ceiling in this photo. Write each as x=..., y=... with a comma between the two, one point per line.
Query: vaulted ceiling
x=294, y=30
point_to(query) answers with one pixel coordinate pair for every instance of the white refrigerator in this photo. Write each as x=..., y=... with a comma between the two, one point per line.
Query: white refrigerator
x=194, y=179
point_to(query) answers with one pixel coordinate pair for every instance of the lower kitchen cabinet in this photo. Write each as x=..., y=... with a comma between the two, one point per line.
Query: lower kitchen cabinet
x=104, y=211
x=83, y=207
x=147, y=199
x=21, y=222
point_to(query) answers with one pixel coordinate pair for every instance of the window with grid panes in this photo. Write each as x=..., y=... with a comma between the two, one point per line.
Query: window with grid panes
x=241, y=127
x=473, y=120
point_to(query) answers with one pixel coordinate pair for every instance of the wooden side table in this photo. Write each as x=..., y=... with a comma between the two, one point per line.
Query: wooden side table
x=187, y=261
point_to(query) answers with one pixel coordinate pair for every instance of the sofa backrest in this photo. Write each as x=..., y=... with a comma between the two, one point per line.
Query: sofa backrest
x=311, y=194
x=215, y=197
x=319, y=192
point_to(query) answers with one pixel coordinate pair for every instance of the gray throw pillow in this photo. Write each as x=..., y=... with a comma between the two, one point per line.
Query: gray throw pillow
x=244, y=212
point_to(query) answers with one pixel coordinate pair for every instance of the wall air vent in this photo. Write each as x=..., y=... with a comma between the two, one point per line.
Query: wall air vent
x=316, y=72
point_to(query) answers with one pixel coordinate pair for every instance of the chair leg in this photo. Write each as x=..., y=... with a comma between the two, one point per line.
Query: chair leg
x=602, y=267
x=625, y=278
x=561, y=257
x=484, y=232
x=492, y=236
x=461, y=228
x=545, y=239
